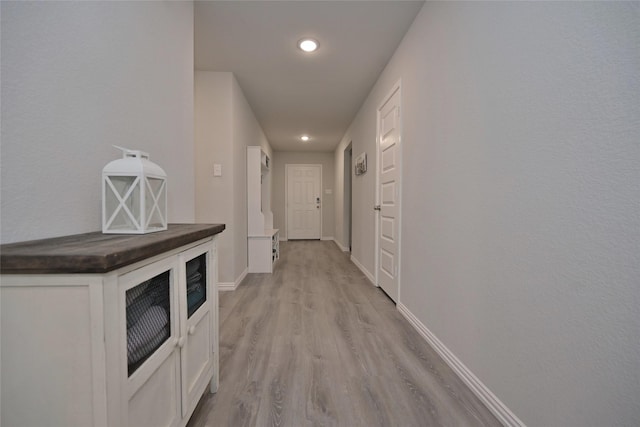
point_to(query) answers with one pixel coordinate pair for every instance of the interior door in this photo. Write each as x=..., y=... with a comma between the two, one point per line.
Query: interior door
x=303, y=201
x=389, y=195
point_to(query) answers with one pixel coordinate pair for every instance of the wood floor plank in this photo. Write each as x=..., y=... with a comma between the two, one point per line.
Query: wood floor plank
x=315, y=344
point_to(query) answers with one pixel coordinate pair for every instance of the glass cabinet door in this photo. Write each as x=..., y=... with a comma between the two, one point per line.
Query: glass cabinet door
x=150, y=360
x=196, y=283
x=148, y=317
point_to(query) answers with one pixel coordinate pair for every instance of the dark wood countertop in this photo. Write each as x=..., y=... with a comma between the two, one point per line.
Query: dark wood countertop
x=96, y=252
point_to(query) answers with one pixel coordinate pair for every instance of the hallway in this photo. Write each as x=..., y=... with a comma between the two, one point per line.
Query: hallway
x=316, y=344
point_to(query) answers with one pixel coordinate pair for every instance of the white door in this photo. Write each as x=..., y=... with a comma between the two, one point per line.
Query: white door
x=303, y=201
x=388, y=248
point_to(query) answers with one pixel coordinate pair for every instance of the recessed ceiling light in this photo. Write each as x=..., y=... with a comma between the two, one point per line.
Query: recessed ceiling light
x=305, y=138
x=308, y=45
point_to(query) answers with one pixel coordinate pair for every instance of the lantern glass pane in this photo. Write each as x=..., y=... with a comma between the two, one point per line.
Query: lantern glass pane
x=155, y=202
x=125, y=204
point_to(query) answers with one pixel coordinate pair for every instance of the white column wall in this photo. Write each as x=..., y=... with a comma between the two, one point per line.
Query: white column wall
x=225, y=126
x=215, y=194
x=77, y=78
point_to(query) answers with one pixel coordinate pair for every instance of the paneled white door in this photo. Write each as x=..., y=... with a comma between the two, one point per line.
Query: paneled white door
x=389, y=195
x=303, y=201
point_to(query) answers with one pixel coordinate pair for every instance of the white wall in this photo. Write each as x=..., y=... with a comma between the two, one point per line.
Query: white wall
x=520, y=229
x=343, y=178
x=213, y=136
x=246, y=132
x=361, y=135
x=280, y=160
x=225, y=125
x=78, y=78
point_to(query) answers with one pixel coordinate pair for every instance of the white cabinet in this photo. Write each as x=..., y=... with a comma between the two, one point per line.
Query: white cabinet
x=165, y=386
x=263, y=239
x=133, y=346
x=264, y=251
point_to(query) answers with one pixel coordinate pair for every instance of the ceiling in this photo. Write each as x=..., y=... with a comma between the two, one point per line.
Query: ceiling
x=291, y=92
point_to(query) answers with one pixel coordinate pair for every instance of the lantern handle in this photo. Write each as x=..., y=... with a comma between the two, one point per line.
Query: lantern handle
x=126, y=152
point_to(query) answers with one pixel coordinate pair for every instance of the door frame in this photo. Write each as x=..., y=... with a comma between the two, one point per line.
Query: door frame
x=347, y=199
x=286, y=195
x=397, y=87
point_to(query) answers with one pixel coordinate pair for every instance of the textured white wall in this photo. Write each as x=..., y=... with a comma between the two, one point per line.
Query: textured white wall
x=521, y=231
x=339, y=208
x=246, y=132
x=225, y=126
x=213, y=136
x=280, y=160
x=361, y=135
x=76, y=79
x=343, y=176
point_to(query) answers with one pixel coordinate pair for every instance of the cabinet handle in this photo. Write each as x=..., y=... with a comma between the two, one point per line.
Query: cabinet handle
x=181, y=342
x=192, y=329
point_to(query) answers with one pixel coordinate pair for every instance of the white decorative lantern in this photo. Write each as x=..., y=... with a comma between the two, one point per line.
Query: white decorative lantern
x=134, y=195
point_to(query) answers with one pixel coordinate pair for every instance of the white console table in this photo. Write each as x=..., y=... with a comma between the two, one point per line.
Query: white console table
x=74, y=351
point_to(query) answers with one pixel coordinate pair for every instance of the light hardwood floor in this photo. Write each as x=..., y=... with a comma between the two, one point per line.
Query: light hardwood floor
x=315, y=344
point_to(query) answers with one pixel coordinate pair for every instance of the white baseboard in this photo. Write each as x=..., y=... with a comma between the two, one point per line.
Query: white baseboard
x=232, y=286
x=342, y=248
x=226, y=286
x=499, y=409
x=322, y=238
x=370, y=276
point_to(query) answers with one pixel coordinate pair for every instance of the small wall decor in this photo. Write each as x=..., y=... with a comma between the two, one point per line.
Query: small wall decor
x=134, y=195
x=361, y=164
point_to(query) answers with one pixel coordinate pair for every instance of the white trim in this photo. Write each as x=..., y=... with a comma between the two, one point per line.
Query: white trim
x=342, y=248
x=226, y=286
x=98, y=353
x=499, y=409
x=327, y=238
x=376, y=201
x=347, y=197
x=232, y=286
x=364, y=270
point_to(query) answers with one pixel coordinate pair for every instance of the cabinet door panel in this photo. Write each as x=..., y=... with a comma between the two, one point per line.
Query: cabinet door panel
x=59, y=326
x=151, y=335
x=196, y=360
x=155, y=404
x=196, y=298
